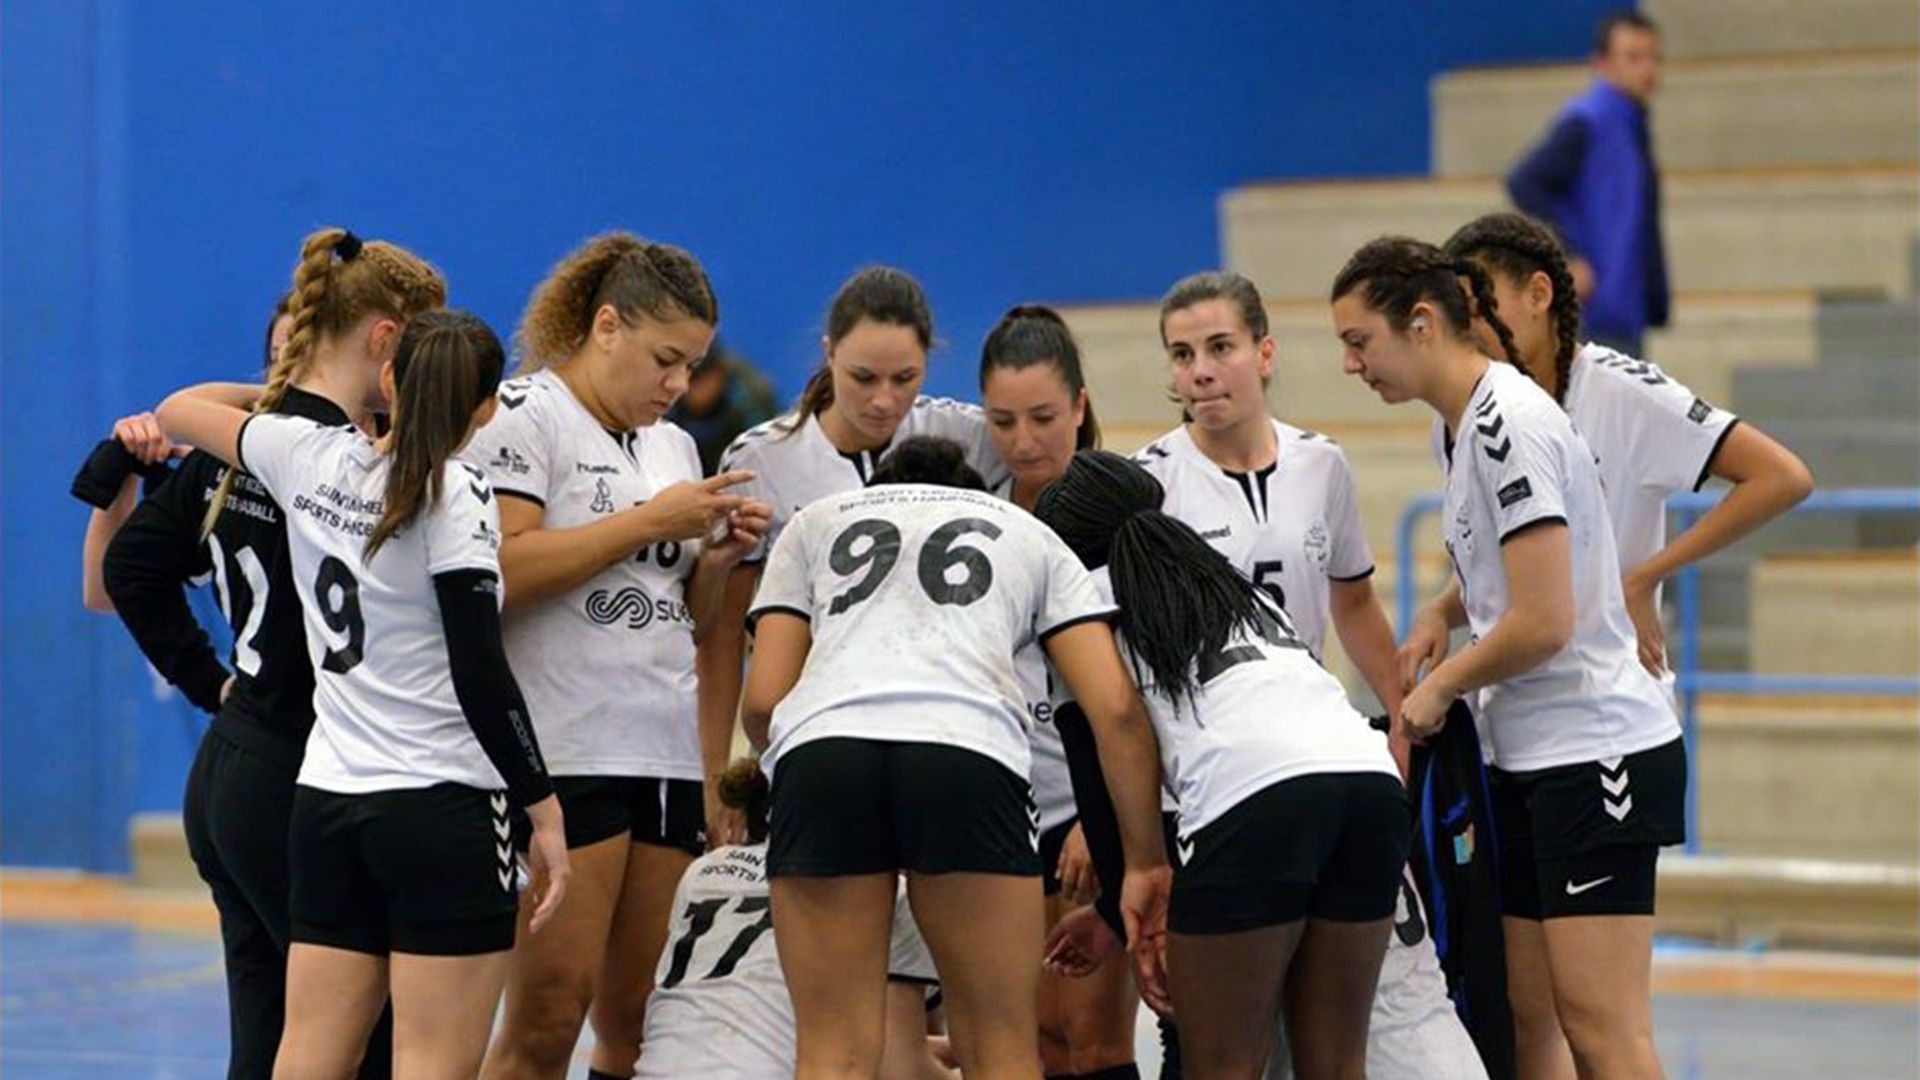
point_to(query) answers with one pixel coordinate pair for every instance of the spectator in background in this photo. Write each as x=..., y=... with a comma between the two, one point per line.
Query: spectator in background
x=1593, y=178
x=726, y=396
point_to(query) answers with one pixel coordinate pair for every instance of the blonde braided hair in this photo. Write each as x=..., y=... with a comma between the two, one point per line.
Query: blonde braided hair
x=339, y=281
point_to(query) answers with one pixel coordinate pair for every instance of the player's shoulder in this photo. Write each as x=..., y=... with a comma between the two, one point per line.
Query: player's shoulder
x=1165, y=452
x=675, y=439
x=1615, y=374
x=462, y=481
x=943, y=416
x=1309, y=445
x=535, y=391
x=749, y=448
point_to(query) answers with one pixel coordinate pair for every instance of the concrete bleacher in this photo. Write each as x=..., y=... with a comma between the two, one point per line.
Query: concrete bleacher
x=1790, y=138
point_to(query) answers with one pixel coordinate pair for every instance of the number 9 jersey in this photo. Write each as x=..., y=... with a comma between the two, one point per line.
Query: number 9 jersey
x=386, y=717
x=919, y=597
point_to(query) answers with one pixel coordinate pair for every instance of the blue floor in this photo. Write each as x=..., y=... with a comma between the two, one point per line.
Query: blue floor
x=103, y=1003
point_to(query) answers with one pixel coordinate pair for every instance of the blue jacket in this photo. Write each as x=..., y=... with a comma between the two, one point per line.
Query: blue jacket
x=1594, y=180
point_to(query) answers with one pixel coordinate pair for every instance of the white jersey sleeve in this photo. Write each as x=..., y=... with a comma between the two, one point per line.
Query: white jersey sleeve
x=463, y=529
x=1349, y=558
x=963, y=423
x=515, y=449
x=270, y=445
x=1670, y=434
x=758, y=450
x=1523, y=466
x=1070, y=597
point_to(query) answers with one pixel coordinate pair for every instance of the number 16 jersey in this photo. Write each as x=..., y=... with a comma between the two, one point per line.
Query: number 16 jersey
x=607, y=666
x=918, y=598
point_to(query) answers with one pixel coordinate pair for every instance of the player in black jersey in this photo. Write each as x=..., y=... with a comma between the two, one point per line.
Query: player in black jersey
x=137, y=450
x=403, y=875
x=239, y=795
x=1039, y=413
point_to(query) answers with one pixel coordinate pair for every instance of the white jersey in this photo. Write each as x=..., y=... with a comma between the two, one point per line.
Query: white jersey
x=385, y=713
x=919, y=598
x=1652, y=437
x=794, y=467
x=1518, y=462
x=1264, y=711
x=1292, y=527
x=607, y=667
x=1052, y=780
x=720, y=1006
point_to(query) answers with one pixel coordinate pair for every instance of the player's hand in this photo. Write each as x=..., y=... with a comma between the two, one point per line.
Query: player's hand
x=547, y=855
x=141, y=435
x=736, y=534
x=1426, y=645
x=1424, y=711
x=1078, y=885
x=1648, y=630
x=1079, y=943
x=725, y=825
x=1143, y=910
x=690, y=509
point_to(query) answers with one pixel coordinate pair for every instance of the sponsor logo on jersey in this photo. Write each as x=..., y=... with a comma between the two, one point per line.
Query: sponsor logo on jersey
x=510, y=461
x=596, y=470
x=1518, y=491
x=1700, y=411
x=486, y=534
x=635, y=606
x=602, y=497
x=1317, y=544
x=1220, y=533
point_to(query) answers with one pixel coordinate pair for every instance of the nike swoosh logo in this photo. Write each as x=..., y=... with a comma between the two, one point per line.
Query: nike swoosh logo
x=1576, y=890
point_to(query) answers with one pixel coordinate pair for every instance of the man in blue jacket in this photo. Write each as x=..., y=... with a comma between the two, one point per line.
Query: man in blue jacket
x=1594, y=180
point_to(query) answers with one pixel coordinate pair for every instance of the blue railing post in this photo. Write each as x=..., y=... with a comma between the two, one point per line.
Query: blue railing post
x=1408, y=586
x=1686, y=669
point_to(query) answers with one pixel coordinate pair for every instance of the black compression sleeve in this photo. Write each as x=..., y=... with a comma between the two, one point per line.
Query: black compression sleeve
x=98, y=482
x=146, y=569
x=470, y=613
x=1098, y=822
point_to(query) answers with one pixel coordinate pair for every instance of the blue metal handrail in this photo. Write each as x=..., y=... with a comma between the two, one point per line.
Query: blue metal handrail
x=1689, y=681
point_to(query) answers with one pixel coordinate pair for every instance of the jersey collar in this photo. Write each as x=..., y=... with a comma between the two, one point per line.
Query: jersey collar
x=298, y=402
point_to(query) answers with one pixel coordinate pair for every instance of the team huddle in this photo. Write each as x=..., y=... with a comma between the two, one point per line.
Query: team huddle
x=1039, y=731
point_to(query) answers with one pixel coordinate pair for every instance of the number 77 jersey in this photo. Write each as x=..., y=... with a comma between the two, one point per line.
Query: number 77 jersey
x=918, y=597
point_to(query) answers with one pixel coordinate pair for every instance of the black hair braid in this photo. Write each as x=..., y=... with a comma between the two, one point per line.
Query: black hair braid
x=1179, y=598
x=1518, y=247
x=1483, y=299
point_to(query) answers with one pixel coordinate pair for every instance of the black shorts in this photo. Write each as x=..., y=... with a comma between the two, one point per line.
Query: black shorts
x=1052, y=842
x=428, y=871
x=1582, y=839
x=650, y=810
x=863, y=806
x=1324, y=846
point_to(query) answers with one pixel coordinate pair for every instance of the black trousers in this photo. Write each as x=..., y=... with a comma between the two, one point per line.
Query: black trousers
x=237, y=810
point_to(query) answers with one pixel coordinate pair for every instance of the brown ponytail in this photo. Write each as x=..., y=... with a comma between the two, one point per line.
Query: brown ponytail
x=744, y=787
x=1394, y=273
x=339, y=281
x=635, y=277
x=449, y=363
x=879, y=294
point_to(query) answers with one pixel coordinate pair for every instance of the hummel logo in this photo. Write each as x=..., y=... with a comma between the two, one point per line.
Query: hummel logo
x=1576, y=890
x=1486, y=407
x=512, y=401
x=1499, y=453
x=1185, y=847
x=1492, y=428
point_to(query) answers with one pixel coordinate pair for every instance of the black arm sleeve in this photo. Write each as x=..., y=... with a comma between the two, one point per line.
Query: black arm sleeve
x=1098, y=822
x=98, y=482
x=1548, y=172
x=470, y=611
x=147, y=567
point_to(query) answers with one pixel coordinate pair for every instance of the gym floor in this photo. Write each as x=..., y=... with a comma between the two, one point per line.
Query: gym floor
x=98, y=983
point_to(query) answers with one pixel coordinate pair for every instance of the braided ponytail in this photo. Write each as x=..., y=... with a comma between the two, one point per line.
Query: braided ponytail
x=339, y=280
x=1179, y=598
x=1517, y=247
x=635, y=277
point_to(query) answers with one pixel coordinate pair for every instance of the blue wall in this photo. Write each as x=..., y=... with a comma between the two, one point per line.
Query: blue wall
x=159, y=162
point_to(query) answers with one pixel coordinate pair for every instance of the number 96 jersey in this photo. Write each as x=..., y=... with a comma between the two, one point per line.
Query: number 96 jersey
x=607, y=667
x=918, y=598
